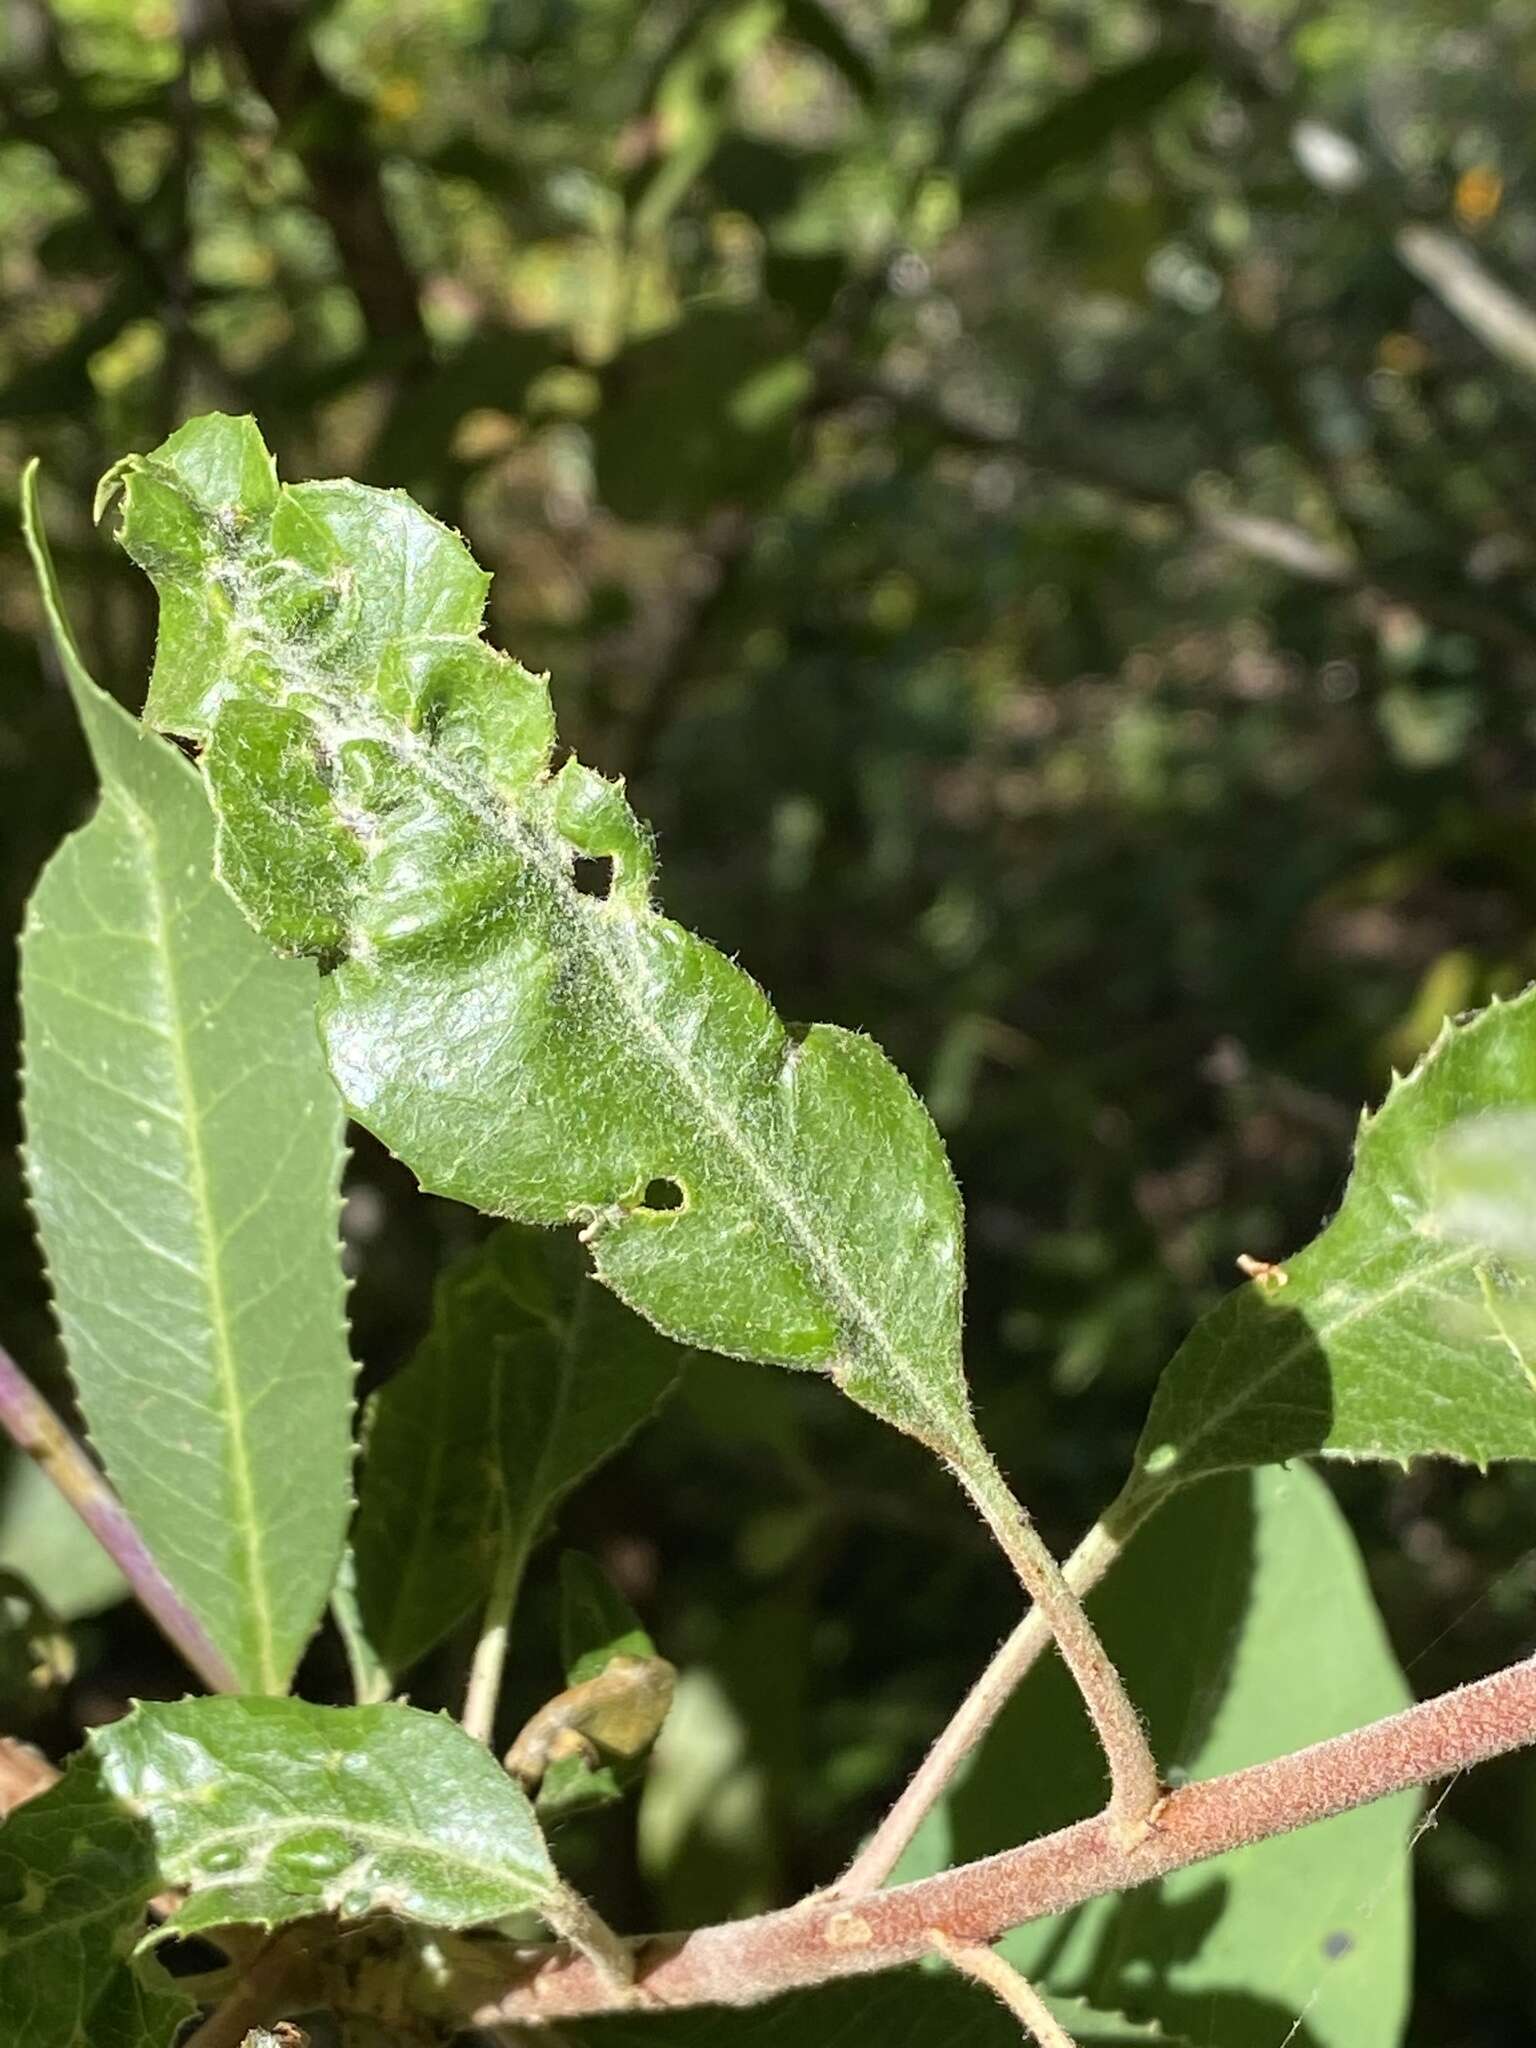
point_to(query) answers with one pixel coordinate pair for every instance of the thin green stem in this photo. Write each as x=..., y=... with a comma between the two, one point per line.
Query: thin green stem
x=490, y=1659
x=1135, y=1788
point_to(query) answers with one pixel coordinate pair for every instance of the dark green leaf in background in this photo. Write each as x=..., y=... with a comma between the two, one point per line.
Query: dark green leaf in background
x=266, y=1811
x=531, y=1375
x=76, y=1870
x=184, y=1154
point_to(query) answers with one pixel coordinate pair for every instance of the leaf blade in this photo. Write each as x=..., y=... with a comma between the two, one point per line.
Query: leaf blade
x=172, y=1082
x=1391, y=1334
x=1243, y=1623
x=817, y=1223
x=530, y=1376
x=75, y=1873
x=268, y=1810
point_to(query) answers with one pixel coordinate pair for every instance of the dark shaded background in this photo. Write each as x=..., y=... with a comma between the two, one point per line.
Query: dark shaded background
x=1038, y=502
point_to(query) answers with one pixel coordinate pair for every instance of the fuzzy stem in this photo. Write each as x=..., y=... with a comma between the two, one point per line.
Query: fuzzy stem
x=490, y=1659
x=587, y=1931
x=1134, y=1784
x=746, y=1961
x=34, y=1428
x=985, y=1966
x=973, y=1717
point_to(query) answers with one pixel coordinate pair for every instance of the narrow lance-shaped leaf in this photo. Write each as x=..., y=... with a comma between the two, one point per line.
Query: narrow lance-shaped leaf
x=184, y=1155
x=531, y=1375
x=265, y=1811
x=1395, y=1334
x=76, y=1870
x=386, y=800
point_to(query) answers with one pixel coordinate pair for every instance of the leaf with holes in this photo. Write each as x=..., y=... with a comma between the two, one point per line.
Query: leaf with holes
x=1395, y=1334
x=531, y=1375
x=385, y=798
x=76, y=1871
x=264, y=1811
x=184, y=1152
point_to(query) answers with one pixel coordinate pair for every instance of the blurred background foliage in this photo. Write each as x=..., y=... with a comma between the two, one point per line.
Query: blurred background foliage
x=1037, y=500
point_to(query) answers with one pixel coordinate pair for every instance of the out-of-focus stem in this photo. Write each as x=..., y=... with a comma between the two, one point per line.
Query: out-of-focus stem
x=490, y=1659
x=33, y=1427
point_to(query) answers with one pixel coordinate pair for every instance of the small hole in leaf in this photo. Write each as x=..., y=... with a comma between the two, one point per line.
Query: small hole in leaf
x=593, y=874
x=663, y=1194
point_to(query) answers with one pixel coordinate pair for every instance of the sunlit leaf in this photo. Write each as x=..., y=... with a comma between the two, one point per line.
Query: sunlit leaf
x=1391, y=1335
x=265, y=1811
x=384, y=787
x=184, y=1155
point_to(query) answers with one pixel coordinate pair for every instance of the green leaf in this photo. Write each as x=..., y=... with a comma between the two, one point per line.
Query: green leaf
x=385, y=797
x=76, y=1870
x=1078, y=126
x=265, y=1811
x=907, y=2009
x=184, y=1153
x=1243, y=1625
x=531, y=1375
x=1391, y=1335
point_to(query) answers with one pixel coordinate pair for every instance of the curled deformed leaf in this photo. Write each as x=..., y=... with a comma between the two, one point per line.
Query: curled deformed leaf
x=387, y=800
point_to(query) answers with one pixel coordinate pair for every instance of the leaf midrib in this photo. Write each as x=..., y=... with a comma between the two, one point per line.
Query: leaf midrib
x=242, y=1477
x=598, y=923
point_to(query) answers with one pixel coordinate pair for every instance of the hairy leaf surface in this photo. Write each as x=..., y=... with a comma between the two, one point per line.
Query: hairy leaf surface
x=1395, y=1334
x=184, y=1150
x=531, y=1375
x=264, y=1811
x=386, y=800
x=76, y=1871
x=1243, y=1625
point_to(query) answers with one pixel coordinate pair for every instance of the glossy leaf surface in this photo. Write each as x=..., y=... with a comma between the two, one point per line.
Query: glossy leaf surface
x=184, y=1153
x=1244, y=1627
x=385, y=795
x=531, y=1375
x=1394, y=1334
x=264, y=1811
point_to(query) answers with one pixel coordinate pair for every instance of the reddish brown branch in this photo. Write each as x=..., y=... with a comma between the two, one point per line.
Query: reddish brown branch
x=752, y=1960
x=29, y=1422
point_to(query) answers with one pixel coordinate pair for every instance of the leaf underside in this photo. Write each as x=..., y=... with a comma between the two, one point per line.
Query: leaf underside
x=184, y=1154
x=386, y=801
x=530, y=1376
x=1393, y=1335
